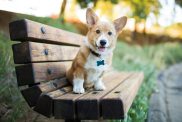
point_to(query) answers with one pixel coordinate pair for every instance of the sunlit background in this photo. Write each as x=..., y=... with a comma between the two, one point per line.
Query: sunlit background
x=169, y=12
x=150, y=42
x=158, y=14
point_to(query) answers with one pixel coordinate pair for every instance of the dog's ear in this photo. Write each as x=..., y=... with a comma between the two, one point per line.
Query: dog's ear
x=91, y=17
x=120, y=23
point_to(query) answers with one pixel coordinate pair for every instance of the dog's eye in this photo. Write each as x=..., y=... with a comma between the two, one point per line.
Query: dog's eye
x=109, y=33
x=97, y=31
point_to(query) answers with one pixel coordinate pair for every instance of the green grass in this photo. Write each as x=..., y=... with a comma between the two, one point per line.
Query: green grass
x=150, y=60
x=9, y=94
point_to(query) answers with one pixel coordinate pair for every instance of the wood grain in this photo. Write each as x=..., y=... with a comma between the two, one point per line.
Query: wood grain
x=44, y=105
x=88, y=106
x=32, y=52
x=27, y=30
x=40, y=72
x=69, y=100
x=33, y=93
x=116, y=104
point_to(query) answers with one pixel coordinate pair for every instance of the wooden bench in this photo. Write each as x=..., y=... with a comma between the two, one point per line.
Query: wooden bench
x=42, y=58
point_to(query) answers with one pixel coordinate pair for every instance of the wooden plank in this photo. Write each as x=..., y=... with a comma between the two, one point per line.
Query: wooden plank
x=64, y=108
x=68, y=100
x=88, y=106
x=33, y=93
x=27, y=30
x=117, y=103
x=38, y=72
x=44, y=105
x=31, y=52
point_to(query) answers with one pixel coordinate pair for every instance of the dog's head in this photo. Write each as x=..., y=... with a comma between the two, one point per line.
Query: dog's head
x=102, y=35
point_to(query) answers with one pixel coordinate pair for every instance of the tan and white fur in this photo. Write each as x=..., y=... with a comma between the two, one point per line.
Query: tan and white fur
x=98, y=45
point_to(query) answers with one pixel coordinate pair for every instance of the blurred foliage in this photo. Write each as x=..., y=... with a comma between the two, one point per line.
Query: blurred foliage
x=85, y=3
x=107, y=8
x=140, y=9
x=174, y=30
x=179, y=2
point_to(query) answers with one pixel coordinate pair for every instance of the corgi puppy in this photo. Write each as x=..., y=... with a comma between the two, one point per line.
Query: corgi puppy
x=95, y=55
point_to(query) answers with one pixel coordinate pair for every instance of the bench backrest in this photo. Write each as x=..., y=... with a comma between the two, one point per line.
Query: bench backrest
x=44, y=54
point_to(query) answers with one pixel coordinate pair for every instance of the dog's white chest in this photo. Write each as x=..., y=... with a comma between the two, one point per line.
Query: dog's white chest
x=96, y=63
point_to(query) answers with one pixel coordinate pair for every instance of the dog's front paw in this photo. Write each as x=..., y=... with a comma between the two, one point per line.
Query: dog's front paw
x=78, y=86
x=99, y=86
x=78, y=90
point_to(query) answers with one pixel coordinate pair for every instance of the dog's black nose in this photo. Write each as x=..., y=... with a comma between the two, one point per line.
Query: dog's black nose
x=102, y=42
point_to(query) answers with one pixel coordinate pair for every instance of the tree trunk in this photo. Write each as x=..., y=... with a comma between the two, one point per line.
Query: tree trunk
x=61, y=15
x=144, y=28
x=133, y=35
x=95, y=3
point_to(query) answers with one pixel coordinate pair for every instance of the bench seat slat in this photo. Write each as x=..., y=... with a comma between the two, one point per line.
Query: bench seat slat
x=88, y=106
x=31, y=52
x=64, y=106
x=38, y=72
x=33, y=93
x=44, y=105
x=27, y=30
x=116, y=104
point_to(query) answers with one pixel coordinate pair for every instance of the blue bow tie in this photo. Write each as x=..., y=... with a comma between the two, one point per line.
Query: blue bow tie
x=100, y=62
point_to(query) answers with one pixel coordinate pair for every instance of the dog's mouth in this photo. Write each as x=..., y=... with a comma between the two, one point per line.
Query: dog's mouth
x=102, y=48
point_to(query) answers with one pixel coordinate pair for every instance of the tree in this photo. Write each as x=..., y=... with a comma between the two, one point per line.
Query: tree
x=63, y=6
x=140, y=9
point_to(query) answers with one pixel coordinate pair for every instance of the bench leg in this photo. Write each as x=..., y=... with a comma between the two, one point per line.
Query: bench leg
x=72, y=120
